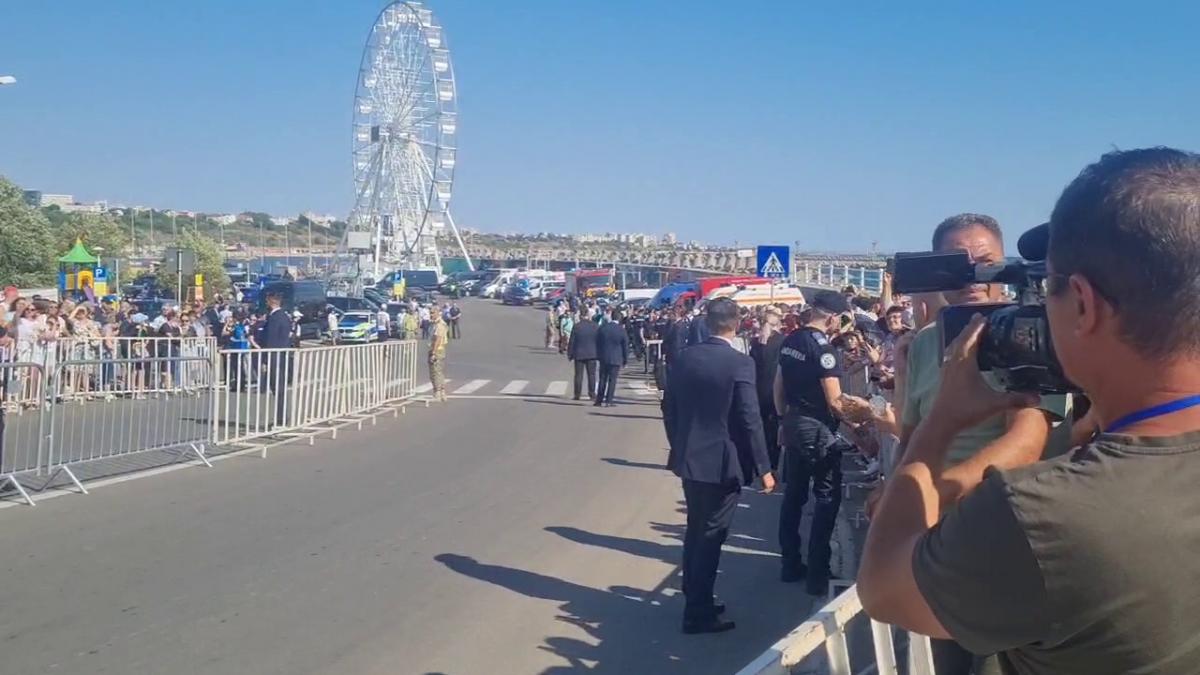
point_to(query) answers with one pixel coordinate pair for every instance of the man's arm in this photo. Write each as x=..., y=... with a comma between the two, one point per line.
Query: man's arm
x=1022, y=444
x=846, y=407
x=745, y=407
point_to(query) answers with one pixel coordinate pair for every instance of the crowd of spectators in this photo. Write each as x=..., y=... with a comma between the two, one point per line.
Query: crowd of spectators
x=123, y=336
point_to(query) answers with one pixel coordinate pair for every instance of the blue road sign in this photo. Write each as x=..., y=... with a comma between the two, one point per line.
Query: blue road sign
x=774, y=262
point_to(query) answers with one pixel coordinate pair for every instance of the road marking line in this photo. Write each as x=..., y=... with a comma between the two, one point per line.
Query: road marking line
x=557, y=388
x=427, y=387
x=471, y=387
x=515, y=387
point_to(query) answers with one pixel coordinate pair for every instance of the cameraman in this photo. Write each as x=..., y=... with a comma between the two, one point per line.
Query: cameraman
x=1083, y=563
x=1005, y=441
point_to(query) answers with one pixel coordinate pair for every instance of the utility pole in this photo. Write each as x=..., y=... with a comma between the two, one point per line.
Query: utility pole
x=310, y=244
x=287, y=246
x=262, y=249
x=132, y=234
x=151, y=228
x=174, y=229
x=178, y=275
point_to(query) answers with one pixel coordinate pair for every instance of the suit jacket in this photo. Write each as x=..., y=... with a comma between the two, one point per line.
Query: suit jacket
x=675, y=340
x=697, y=331
x=278, y=332
x=712, y=418
x=612, y=344
x=766, y=363
x=582, y=346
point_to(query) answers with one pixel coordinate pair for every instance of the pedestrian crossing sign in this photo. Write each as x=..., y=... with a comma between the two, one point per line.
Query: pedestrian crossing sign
x=774, y=262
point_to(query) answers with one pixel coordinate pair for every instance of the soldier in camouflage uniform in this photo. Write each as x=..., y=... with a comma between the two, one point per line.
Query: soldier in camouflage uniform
x=437, y=356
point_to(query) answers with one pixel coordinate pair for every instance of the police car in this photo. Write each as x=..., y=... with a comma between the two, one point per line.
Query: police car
x=358, y=326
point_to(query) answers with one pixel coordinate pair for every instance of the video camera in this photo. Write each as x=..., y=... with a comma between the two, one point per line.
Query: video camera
x=1016, y=344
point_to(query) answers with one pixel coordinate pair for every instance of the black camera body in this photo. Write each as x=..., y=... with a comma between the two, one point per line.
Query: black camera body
x=1016, y=344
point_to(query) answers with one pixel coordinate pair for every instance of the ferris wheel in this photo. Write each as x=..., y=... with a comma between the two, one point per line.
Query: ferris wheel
x=405, y=124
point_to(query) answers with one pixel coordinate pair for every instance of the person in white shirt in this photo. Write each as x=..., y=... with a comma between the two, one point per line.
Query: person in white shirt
x=332, y=318
x=385, y=323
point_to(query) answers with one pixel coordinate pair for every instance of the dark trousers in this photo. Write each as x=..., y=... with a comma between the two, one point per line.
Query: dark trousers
x=811, y=456
x=710, y=510
x=771, y=430
x=589, y=366
x=608, y=383
x=455, y=333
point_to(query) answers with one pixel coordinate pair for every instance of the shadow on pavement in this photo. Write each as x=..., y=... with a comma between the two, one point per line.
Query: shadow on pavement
x=638, y=630
x=627, y=417
x=636, y=465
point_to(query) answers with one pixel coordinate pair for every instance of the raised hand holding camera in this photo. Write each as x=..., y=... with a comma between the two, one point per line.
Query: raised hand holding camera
x=964, y=398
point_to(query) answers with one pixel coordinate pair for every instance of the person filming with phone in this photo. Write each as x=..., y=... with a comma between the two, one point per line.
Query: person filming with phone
x=1083, y=563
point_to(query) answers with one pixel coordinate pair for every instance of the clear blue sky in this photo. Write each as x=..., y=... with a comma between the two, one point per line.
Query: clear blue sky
x=767, y=122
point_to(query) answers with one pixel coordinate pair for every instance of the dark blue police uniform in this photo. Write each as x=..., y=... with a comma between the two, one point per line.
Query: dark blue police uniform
x=813, y=452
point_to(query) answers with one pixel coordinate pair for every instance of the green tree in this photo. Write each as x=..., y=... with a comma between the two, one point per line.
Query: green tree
x=98, y=232
x=27, y=251
x=209, y=262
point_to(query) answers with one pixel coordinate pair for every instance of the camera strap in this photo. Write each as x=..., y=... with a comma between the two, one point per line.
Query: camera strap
x=1152, y=412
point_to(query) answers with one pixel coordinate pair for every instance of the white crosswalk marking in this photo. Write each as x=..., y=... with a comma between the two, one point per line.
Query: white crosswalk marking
x=557, y=388
x=471, y=387
x=514, y=387
x=427, y=387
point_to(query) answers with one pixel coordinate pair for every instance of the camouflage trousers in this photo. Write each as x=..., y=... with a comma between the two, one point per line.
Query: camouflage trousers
x=437, y=374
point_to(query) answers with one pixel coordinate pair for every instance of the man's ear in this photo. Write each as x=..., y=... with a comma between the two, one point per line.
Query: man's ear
x=1090, y=306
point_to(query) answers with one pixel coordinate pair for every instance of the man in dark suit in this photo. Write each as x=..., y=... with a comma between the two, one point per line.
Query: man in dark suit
x=717, y=445
x=277, y=334
x=698, y=331
x=612, y=346
x=582, y=350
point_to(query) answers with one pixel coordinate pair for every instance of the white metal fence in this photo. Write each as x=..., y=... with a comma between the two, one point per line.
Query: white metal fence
x=825, y=639
x=869, y=279
x=64, y=413
x=272, y=391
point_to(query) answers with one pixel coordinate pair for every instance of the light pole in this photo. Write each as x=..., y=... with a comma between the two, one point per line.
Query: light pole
x=132, y=233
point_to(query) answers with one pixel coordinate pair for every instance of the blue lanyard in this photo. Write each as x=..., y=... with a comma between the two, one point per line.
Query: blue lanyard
x=1153, y=411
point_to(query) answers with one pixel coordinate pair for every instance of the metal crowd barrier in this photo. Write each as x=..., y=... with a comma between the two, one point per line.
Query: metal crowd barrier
x=653, y=354
x=106, y=379
x=56, y=419
x=270, y=392
x=176, y=420
x=828, y=629
x=22, y=401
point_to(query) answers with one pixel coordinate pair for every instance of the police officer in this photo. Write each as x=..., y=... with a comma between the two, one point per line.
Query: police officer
x=808, y=393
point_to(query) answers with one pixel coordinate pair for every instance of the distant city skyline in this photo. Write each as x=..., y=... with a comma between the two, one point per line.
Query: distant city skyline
x=775, y=123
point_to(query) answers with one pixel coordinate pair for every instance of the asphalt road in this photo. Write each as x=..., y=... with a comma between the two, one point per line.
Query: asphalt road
x=510, y=530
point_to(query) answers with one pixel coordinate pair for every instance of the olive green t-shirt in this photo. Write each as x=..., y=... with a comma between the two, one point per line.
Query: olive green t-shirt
x=1082, y=564
x=924, y=377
